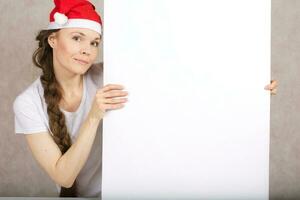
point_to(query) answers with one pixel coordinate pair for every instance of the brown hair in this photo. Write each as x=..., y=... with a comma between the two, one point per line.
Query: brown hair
x=43, y=58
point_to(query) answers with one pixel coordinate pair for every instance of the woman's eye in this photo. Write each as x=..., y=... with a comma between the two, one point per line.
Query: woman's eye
x=95, y=44
x=76, y=38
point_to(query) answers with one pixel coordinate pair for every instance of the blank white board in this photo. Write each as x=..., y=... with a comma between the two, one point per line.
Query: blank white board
x=197, y=122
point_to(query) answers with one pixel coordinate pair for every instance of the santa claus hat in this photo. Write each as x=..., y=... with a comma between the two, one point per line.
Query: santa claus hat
x=74, y=14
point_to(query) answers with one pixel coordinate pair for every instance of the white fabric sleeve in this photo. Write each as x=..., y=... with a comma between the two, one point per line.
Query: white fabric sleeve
x=27, y=117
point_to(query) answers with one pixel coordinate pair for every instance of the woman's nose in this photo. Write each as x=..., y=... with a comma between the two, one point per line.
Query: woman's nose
x=85, y=50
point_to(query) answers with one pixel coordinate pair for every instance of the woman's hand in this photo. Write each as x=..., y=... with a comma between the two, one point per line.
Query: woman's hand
x=107, y=97
x=272, y=87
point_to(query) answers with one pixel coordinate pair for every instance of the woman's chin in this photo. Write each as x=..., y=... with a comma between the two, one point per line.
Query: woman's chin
x=82, y=68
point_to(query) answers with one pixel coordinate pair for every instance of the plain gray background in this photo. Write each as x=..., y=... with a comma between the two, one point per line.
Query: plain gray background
x=285, y=106
x=20, y=175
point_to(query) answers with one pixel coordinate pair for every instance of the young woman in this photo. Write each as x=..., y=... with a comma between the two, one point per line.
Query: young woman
x=61, y=111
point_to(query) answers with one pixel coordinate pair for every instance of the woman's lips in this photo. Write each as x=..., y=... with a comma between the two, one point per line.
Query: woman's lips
x=83, y=62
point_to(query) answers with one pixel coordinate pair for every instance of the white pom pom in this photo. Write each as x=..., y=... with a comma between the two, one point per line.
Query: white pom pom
x=60, y=18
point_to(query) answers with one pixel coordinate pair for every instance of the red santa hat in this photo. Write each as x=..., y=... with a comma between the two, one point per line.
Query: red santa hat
x=74, y=14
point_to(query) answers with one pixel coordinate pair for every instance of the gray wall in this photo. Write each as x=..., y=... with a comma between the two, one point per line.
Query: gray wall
x=285, y=106
x=20, y=175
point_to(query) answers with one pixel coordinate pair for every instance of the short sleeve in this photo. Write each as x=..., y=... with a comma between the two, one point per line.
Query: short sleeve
x=27, y=117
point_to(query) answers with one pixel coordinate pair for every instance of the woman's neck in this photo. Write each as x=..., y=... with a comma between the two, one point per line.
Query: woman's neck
x=72, y=91
x=70, y=83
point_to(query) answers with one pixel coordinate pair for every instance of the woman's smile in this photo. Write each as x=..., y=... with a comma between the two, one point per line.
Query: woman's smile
x=80, y=61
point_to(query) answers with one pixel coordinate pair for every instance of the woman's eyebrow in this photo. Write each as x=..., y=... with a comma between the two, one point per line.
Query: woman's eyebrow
x=97, y=38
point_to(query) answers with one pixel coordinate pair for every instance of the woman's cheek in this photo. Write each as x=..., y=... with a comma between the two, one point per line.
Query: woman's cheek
x=68, y=46
x=72, y=49
x=95, y=54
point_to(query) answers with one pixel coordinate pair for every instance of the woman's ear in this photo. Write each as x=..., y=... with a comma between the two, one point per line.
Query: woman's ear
x=52, y=40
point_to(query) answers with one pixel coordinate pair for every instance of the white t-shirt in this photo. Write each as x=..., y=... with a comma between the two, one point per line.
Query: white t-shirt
x=31, y=117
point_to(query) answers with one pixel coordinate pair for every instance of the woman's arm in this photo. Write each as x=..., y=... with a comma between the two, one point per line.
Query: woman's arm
x=63, y=169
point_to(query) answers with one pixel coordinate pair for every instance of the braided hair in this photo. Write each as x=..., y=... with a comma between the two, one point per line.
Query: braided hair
x=43, y=58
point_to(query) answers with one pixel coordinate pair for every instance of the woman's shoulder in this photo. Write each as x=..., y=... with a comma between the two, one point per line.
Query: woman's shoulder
x=28, y=110
x=28, y=96
x=95, y=74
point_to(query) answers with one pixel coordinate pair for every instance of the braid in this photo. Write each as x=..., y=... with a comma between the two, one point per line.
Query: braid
x=56, y=118
x=43, y=58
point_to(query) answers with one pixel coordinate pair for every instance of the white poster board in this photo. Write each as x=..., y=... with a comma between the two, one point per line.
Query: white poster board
x=197, y=122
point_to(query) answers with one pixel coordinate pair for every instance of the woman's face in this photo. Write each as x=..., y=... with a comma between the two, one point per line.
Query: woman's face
x=74, y=49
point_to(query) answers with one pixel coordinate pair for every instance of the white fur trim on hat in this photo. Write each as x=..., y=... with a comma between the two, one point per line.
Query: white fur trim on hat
x=77, y=23
x=60, y=18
